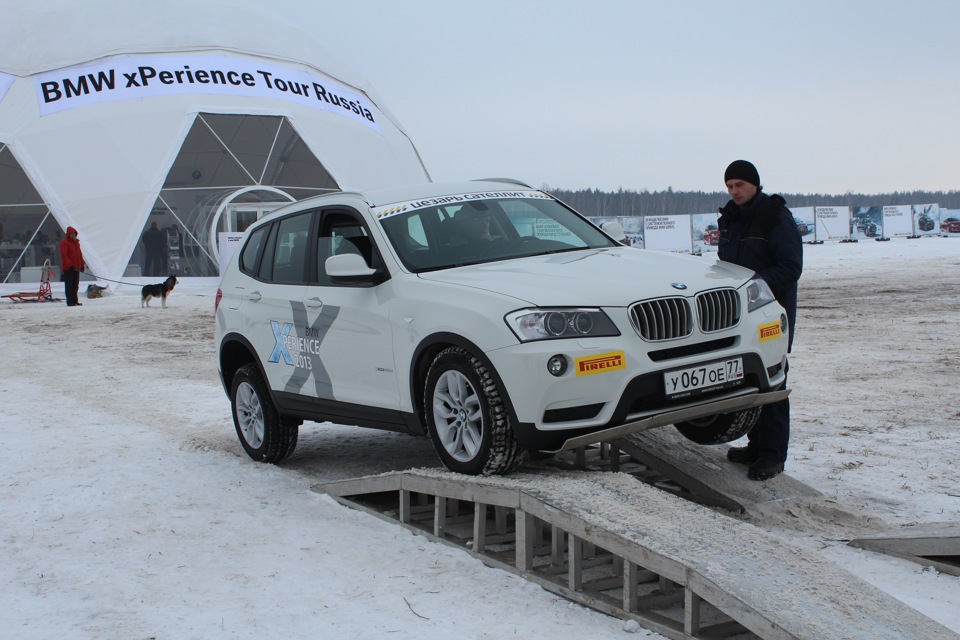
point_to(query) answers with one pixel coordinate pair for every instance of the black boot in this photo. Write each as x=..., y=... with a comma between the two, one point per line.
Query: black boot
x=742, y=455
x=764, y=469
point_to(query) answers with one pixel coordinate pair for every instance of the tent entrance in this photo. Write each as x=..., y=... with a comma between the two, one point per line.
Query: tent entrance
x=241, y=208
x=241, y=216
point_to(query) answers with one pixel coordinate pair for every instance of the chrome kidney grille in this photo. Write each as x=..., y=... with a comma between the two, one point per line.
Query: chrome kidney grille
x=672, y=318
x=663, y=319
x=718, y=310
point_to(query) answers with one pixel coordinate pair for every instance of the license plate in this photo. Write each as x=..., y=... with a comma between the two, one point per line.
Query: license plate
x=703, y=377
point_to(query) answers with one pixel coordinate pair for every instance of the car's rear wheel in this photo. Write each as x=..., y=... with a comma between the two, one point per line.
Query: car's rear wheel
x=266, y=435
x=468, y=423
x=720, y=429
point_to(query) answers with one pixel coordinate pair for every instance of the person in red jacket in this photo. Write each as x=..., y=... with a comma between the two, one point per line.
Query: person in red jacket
x=71, y=264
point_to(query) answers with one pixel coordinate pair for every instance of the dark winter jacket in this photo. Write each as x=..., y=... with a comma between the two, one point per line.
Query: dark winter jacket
x=763, y=236
x=70, y=255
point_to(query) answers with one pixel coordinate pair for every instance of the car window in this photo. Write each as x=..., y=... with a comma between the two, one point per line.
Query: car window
x=339, y=233
x=290, y=249
x=529, y=221
x=269, y=249
x=475, y=229
x=251, y=250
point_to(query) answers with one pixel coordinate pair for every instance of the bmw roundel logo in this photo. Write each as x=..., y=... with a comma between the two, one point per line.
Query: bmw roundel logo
x=678, y=285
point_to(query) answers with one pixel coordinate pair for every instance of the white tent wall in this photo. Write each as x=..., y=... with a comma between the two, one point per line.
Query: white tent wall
x=104, y=170
x=100, y=167
x=100, y=175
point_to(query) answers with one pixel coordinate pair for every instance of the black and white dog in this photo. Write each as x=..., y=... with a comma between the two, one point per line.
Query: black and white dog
x=162, y=290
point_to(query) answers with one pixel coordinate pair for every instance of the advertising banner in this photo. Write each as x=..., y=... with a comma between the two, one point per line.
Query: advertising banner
x=706, y=234
x=633, y=228
x=832, y=223
x=6, y=81
x=950, y=222
x=229, y=242
x=866, y=223
x=897, y=221
x=149, y=76
x=667, y=233
x=926, y=219
x=804, y=217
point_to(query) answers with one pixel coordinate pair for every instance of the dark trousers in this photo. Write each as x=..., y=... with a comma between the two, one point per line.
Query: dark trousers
x=152, y=266
x=771, y=435
x=71, y=286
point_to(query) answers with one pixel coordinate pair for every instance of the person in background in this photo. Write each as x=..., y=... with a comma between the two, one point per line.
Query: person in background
x=154, y=245
x=71, y=264
x=757, y=231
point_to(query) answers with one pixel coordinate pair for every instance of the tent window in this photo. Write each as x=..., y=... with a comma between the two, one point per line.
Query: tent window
x=222, y=154
x=29, y=234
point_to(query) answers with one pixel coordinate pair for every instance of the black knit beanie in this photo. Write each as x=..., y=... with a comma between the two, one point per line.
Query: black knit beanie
x=742, y=170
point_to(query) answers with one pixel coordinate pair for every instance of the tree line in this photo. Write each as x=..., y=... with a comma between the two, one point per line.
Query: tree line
x=626, y=202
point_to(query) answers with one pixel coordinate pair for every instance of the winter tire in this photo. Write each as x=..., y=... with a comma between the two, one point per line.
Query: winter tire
x=720, y=429
x=467, y=420
x=266, y=436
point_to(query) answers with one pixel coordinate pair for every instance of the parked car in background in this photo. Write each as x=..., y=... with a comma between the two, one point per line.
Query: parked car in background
x=711, y=235
x=950, y=225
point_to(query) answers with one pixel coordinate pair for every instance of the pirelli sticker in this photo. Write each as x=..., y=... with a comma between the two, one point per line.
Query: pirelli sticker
x=769, y=331
x=601, y=363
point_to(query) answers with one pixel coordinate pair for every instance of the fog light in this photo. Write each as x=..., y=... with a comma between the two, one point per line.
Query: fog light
x=783, y=323
x=557, y=365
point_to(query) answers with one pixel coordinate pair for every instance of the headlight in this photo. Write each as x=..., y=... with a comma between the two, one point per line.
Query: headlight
x=758, y=293
x=548, y=324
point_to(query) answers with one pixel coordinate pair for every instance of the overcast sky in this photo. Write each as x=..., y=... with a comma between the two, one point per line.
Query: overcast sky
x=823, y=96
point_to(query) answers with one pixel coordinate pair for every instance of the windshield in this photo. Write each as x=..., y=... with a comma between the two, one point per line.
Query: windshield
x=472, y=228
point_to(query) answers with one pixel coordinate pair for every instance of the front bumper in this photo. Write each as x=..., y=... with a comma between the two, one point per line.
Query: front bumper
x=746, y=400
x=548, y=409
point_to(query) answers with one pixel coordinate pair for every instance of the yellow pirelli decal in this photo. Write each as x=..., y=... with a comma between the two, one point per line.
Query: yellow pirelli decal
x=769, y=331
x=601, y=363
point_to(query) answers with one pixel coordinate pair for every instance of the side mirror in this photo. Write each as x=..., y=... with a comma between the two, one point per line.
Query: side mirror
x=615, y=231
x=349, y=267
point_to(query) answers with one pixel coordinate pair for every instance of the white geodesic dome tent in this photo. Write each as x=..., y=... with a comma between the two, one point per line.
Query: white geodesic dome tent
x=196, y=117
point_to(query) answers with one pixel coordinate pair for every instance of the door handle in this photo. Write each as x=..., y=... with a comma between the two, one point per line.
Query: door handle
x=254, y=296
x=314, y=303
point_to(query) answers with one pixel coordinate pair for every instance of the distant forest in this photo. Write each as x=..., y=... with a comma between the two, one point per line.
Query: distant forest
x=625, y=202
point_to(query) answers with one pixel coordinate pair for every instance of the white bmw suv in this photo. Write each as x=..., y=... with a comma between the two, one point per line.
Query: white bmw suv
x=489, y=316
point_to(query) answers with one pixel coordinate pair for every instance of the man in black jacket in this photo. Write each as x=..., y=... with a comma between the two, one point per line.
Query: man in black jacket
x=757, y=231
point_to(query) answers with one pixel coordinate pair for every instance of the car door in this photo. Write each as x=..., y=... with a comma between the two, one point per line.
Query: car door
x=348, y=323
x=273, y=302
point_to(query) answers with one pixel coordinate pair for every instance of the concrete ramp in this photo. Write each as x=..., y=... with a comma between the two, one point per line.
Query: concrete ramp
x=627, y=549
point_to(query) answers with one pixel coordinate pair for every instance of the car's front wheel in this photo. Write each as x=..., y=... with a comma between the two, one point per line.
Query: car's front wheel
x=720, y=429
x=466, y=417
x=266, y=435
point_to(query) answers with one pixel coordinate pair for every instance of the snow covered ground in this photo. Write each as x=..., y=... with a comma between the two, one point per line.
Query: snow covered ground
x=129, y=510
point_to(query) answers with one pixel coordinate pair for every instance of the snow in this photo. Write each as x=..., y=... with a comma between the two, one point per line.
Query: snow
x=130, y=510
